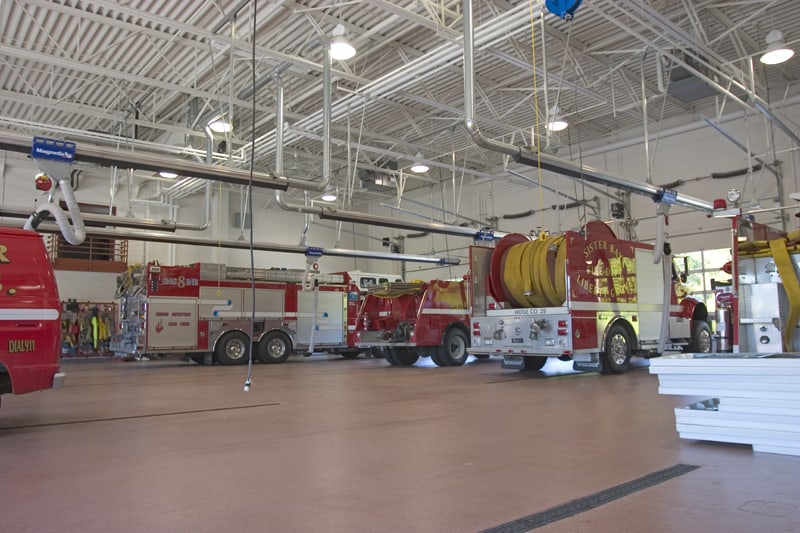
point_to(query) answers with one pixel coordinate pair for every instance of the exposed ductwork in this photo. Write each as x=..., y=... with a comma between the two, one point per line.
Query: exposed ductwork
x=545, y=161
x=328, y=212
x=245, y=245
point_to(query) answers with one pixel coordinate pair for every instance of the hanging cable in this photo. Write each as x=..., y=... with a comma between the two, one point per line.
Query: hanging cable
x=249, y=381
x=535, y=135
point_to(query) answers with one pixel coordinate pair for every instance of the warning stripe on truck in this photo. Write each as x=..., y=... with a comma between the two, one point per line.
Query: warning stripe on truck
x=28, y=314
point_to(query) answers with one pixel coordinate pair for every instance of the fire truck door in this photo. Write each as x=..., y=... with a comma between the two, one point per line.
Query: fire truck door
x=330, y=323
x=171, y=324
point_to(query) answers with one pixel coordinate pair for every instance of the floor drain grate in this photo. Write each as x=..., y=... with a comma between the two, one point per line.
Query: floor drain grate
x=586, y=503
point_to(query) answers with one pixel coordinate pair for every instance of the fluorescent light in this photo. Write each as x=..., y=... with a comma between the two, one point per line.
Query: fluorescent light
x=167, y=174
x=220, y=126
x=777, y=51
x=340, y=48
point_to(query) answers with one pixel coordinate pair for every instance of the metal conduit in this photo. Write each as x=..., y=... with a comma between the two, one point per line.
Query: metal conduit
x=152, y=162
x=268, y=247
x=545, y=161
x=106, y=220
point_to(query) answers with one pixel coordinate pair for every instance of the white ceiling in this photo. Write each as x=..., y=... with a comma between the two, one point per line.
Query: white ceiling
x=154, y=71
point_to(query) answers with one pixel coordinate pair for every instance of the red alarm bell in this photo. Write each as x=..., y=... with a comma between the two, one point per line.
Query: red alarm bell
x=43, y=182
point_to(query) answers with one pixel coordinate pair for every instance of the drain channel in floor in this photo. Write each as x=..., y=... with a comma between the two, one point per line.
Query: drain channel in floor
x=560, y=512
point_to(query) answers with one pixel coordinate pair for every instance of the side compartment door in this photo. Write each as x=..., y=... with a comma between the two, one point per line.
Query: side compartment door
x=330, y=325
x=171, y=324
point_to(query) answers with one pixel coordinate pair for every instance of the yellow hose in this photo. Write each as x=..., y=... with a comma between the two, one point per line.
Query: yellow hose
x=783, y=261
x=530, y=278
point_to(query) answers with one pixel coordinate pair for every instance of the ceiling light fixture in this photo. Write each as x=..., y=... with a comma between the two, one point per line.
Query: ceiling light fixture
x=329, y=195
x=419, y=167
x=220, y=125
x=556, y=122
x=777, y=51
x=167, y=174
x=341, y=49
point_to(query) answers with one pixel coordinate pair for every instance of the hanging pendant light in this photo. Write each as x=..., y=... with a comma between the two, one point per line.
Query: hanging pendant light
x=419, y=167
x=341, y=49
x=777, y=51
x=329, y=195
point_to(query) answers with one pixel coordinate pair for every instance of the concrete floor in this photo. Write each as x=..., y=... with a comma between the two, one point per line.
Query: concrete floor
x=334, y=445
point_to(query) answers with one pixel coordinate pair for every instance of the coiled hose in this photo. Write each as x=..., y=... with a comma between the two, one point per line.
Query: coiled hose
x=534, y=273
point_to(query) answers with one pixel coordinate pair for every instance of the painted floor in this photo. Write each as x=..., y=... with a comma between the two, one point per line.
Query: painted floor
x=334, y=445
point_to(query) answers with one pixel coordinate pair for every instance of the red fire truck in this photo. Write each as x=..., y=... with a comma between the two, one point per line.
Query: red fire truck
x=406, y=321
x=30, y=315
x=205, y=310
x=584, y=296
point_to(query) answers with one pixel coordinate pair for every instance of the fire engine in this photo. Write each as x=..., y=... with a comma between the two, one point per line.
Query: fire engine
x=30, y=315
x=584, y=296
x=759, y=308
x=204, y=310
x=406, y=321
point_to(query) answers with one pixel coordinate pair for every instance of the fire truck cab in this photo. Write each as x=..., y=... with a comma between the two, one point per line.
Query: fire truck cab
x=30, y=315
x=584, y=296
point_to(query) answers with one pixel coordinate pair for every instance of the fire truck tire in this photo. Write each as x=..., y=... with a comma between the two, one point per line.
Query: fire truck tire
x=701, y=338
x=388, y=354
x=617, y=356
x=349, y=354
x=404, y=356
x=377, y=352
x=274, y=347
x=533, y=364
x=233, y=348
x=453, y=351
x=436, y=356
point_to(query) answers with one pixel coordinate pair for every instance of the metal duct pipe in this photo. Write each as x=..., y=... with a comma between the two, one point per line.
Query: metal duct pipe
x=106, y=220
x=151, y=161
x=244, y=245
x=542, y=160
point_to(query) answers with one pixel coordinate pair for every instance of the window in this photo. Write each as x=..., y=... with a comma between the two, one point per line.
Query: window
x=704, y=267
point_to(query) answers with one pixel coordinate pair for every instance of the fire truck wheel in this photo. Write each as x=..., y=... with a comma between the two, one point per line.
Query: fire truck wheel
x=404, y=356
x=436, y=356
x=453, y=351
x=701, y=338
x=232, y=349
x=350, y=354
x=388, y=354
x=275, y=347
x=617, y=356
x=377, y=352
x=533, y=364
